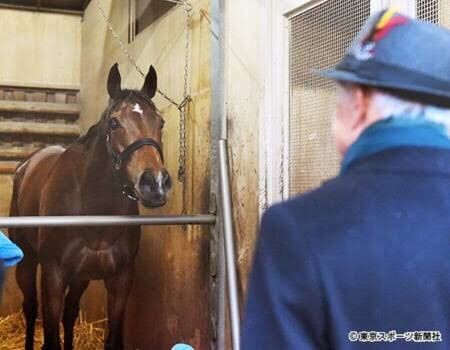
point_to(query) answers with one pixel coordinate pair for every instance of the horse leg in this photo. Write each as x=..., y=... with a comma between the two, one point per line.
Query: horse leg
x=118, y=288
x=71, y=310
x=26, y=279
x=53, y=289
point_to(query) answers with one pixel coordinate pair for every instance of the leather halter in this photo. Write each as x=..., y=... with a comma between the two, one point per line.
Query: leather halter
x=119, y=159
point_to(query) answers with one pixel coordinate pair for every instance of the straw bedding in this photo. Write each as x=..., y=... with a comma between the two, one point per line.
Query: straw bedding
x=87, y=335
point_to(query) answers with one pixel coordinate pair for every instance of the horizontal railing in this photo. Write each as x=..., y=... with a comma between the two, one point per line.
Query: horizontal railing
x=39, y=107
x=105, y=220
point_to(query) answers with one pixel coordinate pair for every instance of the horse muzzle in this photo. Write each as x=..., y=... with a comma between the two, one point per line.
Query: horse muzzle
x=153, y=188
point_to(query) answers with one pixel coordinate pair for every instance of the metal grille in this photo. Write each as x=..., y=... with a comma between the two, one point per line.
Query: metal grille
x=427, y=10
x=435, y=11
x=319, y=37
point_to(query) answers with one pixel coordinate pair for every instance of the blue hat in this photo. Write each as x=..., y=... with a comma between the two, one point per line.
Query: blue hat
x=10, y=254
x=407, y=57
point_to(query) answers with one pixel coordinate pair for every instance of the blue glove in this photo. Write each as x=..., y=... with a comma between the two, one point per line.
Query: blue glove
x=182, y=347
x=10, y=254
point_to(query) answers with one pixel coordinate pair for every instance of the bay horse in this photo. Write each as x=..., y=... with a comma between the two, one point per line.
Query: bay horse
x=117, y=163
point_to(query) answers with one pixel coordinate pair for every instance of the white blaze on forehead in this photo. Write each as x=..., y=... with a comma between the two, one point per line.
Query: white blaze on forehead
x=137, y=108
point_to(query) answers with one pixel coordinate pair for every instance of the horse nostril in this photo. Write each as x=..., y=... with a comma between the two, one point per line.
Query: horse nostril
x=166, y=181
x=147, y=179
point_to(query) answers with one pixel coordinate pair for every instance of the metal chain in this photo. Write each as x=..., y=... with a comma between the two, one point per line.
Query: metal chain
x=183, y=112
x=182, y=147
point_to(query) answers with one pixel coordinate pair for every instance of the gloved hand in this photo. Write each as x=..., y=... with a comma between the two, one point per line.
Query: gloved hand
x=10, y=254
x=182, y=347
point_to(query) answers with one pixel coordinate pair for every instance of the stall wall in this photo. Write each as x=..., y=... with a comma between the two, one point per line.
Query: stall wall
x=169, y=300
x=244, y=93
x=37, y=50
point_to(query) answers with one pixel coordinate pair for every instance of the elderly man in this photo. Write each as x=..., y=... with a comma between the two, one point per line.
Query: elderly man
x=364, y=260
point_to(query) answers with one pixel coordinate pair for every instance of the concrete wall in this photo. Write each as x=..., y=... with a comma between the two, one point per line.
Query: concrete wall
x=39, y=48
x=169, y=301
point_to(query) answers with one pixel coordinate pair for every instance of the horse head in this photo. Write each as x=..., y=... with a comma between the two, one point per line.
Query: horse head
x=133, y=128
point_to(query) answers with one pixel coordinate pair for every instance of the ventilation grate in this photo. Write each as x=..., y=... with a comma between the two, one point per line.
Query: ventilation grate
x=434, y=11
x=319, y=37
x=427, y=10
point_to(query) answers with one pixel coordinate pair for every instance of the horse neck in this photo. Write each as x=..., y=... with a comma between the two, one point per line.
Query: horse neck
x=99, y=180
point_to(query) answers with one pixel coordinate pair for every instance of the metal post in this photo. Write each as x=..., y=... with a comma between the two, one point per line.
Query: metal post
x=218, y=129
x=223, y=50
x=106, y=220
x=228, y=236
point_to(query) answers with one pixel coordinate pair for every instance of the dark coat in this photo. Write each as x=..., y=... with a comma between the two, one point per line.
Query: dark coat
x=367, y=251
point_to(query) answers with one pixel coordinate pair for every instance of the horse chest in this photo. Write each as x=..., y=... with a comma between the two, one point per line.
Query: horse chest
x=97, y=264
x=95, y=257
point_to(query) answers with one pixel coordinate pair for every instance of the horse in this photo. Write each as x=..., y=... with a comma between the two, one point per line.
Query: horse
x=118, y=162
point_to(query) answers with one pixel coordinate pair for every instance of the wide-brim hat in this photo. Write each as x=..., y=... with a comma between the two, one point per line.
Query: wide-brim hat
x=406, y=57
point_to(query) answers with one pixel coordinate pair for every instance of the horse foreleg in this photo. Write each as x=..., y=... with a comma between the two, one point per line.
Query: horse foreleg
x=118, y=288
x=53, y=288
x=71, y=310
x=26, y=279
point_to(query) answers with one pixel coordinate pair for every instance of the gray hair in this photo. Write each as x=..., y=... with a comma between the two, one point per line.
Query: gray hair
x=388, y=105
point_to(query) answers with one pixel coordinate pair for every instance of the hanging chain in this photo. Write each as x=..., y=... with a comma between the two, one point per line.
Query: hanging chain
x=183, y=112
x=182, y=146
x=183, y=106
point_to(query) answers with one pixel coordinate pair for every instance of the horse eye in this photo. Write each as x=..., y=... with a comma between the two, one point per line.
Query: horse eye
x=162, y=123
x=114, y=124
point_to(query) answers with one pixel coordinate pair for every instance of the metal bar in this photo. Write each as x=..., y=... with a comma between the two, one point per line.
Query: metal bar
x=217, y=255
x=179, y=2
x=41, y=9
x=228, y=236
x=221, y=290
x=106, y=220
x=132, y=21
x=223, y=51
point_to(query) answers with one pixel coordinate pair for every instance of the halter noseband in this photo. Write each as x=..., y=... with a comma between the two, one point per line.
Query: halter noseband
x=119, y=159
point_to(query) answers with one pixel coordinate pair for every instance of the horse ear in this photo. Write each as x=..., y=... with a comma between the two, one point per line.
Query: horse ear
x=150, y=83
x=114, y=81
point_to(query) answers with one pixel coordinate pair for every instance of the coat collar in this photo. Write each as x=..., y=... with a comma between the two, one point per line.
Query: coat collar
x=424, y=160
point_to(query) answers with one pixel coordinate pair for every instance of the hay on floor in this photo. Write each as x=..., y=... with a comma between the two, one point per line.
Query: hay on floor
x=87, y=335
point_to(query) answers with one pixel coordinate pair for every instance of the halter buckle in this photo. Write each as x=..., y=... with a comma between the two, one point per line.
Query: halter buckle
x=118, y=163
x=126, y=191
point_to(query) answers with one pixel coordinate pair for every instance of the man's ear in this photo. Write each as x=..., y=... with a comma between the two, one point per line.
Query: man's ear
x=360, y=105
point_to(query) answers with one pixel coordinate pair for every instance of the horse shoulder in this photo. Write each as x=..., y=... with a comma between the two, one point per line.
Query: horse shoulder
x=60, y=193
x=31, y=177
